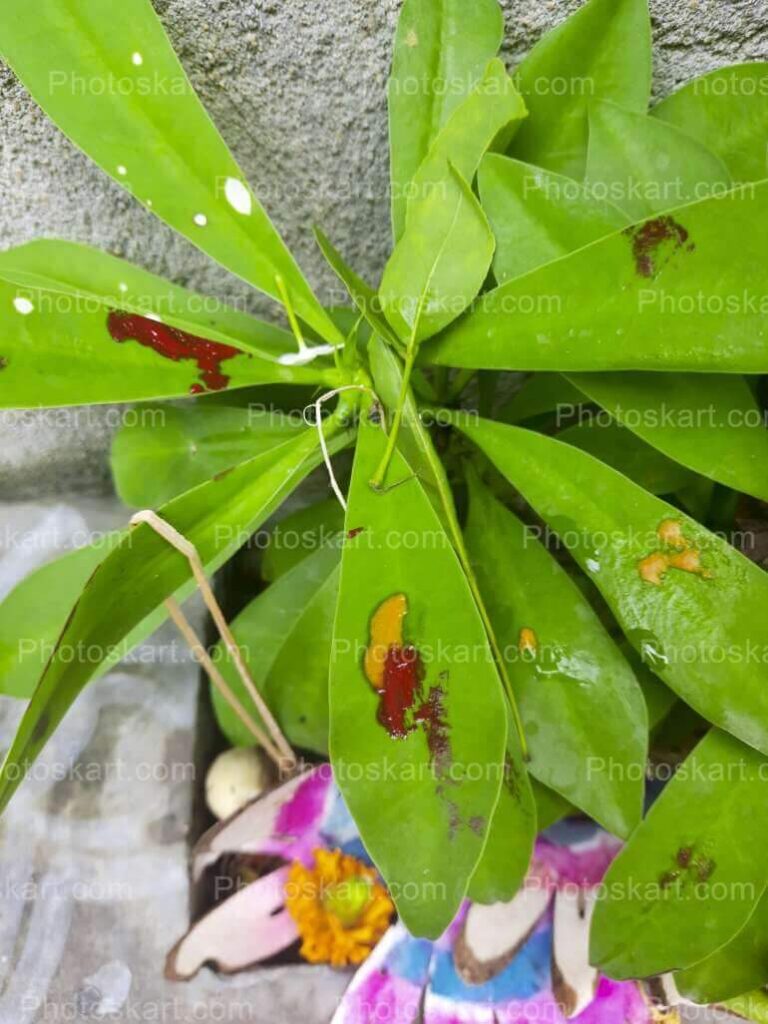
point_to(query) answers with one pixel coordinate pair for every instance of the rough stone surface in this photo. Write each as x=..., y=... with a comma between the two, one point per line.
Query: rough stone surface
x=297, y=90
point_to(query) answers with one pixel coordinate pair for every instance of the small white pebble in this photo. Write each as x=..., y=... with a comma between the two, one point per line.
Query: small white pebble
x=234, y=779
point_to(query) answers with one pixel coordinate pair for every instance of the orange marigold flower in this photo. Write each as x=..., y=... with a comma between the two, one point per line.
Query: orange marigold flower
x=340, y=907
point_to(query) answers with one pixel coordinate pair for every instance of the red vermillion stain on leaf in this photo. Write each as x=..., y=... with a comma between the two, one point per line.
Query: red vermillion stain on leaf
x=403, y=674
x=176, y=345
x=648, y=238
x=351, y=534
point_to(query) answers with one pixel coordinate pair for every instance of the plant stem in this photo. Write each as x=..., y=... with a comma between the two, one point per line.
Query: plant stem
x=378, y=477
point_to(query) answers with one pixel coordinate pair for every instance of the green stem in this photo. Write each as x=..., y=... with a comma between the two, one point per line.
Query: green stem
x=378, y=477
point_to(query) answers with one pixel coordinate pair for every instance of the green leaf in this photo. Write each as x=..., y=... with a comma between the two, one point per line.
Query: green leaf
x=79, y=326
x=32, y=614
x=87, y=276
x=726, y=111
x=691, y=874
x=683, y=291
x=506, y=858
x=582, y=709
x=440, y=263
x=550, y=806
x=750, y=1006
x=602, y=52
x=301, y=533
x=108, y=77
x=738, y=967
x=361, y=293
x=537, y=217
x=144, y=570
x=700, y=625
x=285, y=638
x=710, y=423
x=419, y=760
x=646, y=166
x=442, y=48
x=620, y=448
x=491, y=110
x=164, y=450
x=541, y=393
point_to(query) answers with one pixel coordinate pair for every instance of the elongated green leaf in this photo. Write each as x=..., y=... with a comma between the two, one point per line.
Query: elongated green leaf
x=493, y=107
x=144, y=570
x=751, y=1006
x=683, y=291
x=300, y=534
x=33, y=615
x=709, y=423
x=685, y=599
x=737, y=967
x=550, y=806
x=537, y=217
x=691, y=874
x=620, y=448
x=624, y=451
x=646, y=166
x=542, y=393
x=86, y=276
x=440, y=263
x=164, y=450
x=441, y=51
x=361, y=293
x=285, y=638
x=602, y=52
x=506, y=858
x=581, y=706
x=415, y=698
x=727, y=112
x=137, y=115
x=72, y=335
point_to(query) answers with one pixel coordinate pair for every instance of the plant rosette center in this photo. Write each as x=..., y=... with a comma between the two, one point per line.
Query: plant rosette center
x=340, y=907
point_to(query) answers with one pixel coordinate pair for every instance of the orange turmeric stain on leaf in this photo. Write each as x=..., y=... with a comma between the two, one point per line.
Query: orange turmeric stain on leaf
x=670, y=532
x=528, y=643
x=386, y=631
x=654, y=567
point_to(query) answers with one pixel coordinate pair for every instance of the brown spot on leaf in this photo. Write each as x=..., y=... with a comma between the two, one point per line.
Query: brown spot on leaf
x=683, y=857
x=668, y=878
x=351, y=534
x=222, y=474
x=3, y=363
x=650, y=239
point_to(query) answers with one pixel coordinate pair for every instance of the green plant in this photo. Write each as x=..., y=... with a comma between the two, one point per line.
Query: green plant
x=477, y=684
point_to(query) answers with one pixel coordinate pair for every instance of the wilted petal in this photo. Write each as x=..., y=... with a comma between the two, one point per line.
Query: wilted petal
x=240, y=932
x=285, y=822
x=573, y=979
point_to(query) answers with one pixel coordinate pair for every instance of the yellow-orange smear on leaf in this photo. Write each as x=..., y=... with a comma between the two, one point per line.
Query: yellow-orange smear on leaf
x=671, y=533
x=653, y=567
x=528, y=643
x=386, y=629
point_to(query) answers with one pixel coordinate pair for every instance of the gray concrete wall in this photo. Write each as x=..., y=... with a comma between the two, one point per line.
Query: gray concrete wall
x=297, y=89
